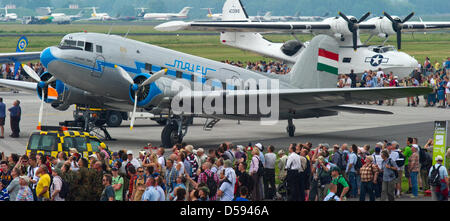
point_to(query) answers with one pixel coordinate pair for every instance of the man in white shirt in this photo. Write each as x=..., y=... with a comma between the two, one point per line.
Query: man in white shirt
x=132, y=160
x=161, y=159
x=348, y=82
x=293, y=165
x=269, y=172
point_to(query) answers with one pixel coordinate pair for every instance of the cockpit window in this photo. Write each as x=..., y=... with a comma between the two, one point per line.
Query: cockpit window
x=88, y=47
x=69, y=44
x=98, y=49
x=80, y=44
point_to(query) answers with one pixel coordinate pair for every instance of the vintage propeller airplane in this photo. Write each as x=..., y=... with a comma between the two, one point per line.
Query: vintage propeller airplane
x=237, y=30
x=114, y=72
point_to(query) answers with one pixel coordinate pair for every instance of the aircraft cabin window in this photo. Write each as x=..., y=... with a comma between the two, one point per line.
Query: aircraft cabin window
x=347, y=60
x=88, y=47
x=98, y=49
x=80, y=44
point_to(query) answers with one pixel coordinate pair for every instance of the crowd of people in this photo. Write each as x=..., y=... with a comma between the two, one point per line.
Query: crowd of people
x=227, y=173
x=271, y=67
x=7, y=71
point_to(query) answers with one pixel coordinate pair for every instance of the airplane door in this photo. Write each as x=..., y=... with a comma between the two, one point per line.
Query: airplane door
x=97, y=67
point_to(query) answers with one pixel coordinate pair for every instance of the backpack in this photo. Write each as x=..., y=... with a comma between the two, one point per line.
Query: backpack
x=212, y=184
x=425, y=158
x=340, y=162
x=401, y=159
x=64, y=189
x=260, y=171
x=434, y=179
x=344, y=158
x=358, y=163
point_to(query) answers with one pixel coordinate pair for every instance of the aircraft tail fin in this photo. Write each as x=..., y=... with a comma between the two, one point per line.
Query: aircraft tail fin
x=234, y=11
x=317, y=66
x=21, y=46
x=185, y=11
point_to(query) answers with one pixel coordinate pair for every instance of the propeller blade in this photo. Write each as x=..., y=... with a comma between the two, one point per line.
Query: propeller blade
x=41, y=108
x=364, y=17
x=31, y=73
x=344, y=17
x=399, y=40
x=389, y=17
x=153, y=78
x=134, y=111
x=408, y=17
x=52, y=79
x=355, y=39
x=124, y=74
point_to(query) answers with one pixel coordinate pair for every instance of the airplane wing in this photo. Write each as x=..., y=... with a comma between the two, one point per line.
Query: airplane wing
x=243, y=26
x=305, y=99
x=19, y=85
x=19, y=57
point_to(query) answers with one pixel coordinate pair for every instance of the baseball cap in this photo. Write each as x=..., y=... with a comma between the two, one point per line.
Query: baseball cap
x=439, y=158
x=129, y=152
x=93, y=155
x=280, y=152
x=259, y=145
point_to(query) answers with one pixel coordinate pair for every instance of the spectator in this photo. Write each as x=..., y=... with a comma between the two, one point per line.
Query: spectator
x=193, y=162
x=407, y=152
x=254, y=166
x=293, y=166
x=414, y=169
x=56, y=185
x=226, y=189
x=117, y=184
x=15, y=114
x=323, y=169
x=389, y=168
x=14, y=186
x=2, y=118
x=269, y=173
x=243, y=192
x=131, y=161
x=439, y=186
x=25, y=193
x=4, y=196
x=378, y=160
x=108, y=193
x=42, y=188
x=171, y=176
x=150, y=194
x=369, y=174
x=282, y=165
x=341, y=184
x=351, y=171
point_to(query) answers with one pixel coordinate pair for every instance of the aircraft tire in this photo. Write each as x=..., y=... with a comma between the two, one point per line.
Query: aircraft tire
x=114, y=119
x=169, y=135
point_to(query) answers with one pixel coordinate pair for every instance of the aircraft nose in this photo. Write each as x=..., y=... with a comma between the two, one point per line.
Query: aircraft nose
x=47, y=57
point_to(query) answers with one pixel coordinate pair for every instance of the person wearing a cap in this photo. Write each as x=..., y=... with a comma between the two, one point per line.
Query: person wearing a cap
x=25, y=193
x=132, y=160
x=437, y=191
x=339, y=181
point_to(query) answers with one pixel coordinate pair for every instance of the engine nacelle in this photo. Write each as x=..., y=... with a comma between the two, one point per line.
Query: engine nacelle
x=339, y=25
x=62, y=96
x=383, y=26
x=291, y=47
x=147, y=95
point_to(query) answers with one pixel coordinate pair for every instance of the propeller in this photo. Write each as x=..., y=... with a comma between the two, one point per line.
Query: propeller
x=397, y=25
x=42, y=84
x=136, y=87
x=353, y=26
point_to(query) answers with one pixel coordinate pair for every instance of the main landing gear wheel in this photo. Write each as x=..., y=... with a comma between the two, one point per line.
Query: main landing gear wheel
x=114, y=119
x=170, y=135
x=290, y=128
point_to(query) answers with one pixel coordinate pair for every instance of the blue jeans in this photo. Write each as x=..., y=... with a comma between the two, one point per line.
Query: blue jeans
x=367, y=187
x=414, y=183
x=353, y=184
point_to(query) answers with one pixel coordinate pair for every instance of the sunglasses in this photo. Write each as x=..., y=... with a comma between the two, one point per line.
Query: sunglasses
x=140, y=171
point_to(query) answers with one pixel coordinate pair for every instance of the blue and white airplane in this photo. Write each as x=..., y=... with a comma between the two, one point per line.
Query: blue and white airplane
x=113, y=72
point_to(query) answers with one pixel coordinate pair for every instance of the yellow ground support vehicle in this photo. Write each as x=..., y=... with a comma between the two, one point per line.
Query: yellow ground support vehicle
x=52, y=140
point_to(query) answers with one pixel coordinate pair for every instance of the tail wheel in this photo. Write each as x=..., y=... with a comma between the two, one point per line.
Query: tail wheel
x=170, y=136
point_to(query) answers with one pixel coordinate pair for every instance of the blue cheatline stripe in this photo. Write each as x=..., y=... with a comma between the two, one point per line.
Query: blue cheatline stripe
x=139, y=67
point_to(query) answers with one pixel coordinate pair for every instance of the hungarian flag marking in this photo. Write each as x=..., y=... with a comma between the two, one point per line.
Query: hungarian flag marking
x=327, y=61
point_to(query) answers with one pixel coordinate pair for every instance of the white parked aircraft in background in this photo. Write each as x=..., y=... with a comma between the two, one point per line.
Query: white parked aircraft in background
x=8, y=16
x=213, y=16
x=168, y=16
x=99, y=16
x=238, y=31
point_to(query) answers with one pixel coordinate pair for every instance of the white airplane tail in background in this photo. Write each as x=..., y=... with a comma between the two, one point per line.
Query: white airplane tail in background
x=185, y=11
x=317, y=66
x=234, y=11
